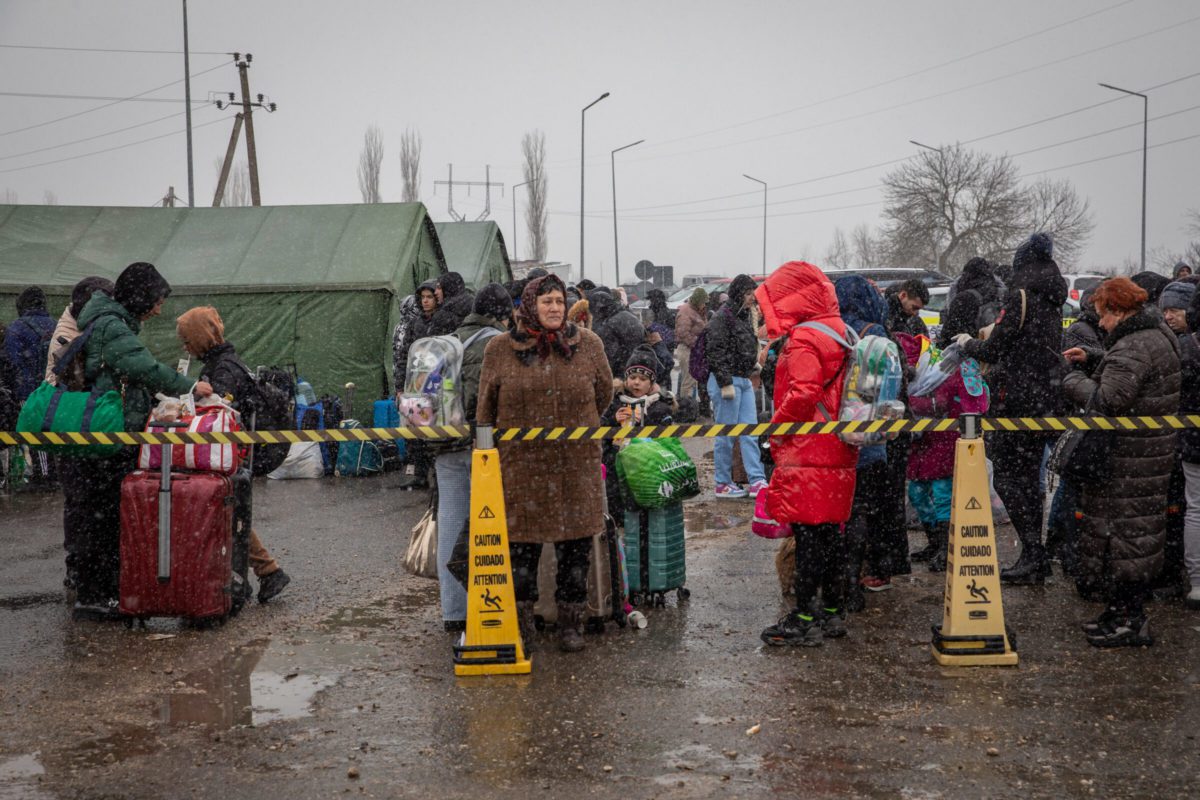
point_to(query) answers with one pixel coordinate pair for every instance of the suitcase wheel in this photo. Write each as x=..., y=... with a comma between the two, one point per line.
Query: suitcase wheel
x=683, y=593
x=539, y=623
x=660, y=600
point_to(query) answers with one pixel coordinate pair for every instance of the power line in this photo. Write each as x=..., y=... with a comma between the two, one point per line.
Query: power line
x=889, y=81
x=90, y=97
x=107, y=105
x=110, y=149
x=98, y=135
x=895, y=161
x=109, y=50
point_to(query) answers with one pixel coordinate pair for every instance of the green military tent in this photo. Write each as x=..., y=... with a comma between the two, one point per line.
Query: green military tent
x=314, y=286
x=476, y=251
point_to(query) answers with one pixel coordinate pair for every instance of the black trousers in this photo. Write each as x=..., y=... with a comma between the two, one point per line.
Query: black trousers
x=1016, y=461
x=865, y=532
x=820, y=564
x=574, y=557
x=92, y=523
x=890, y=554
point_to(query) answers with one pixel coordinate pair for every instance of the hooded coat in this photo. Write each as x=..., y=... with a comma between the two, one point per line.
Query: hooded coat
x=1124, y=521
x=731, y=344
x=1026, y=354
x=659, y=310
x=864, y=311
x=813, y=481
x=417, y=328
x=27, y=343
x=690, y=320
x=618, y=329
x=553, y=491
x=457, y=303
x=975, y=289
x=1189, y=393
x=115, y=358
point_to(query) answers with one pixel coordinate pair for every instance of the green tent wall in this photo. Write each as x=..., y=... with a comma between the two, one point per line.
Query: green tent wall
x=476, y=251
x=314, y=286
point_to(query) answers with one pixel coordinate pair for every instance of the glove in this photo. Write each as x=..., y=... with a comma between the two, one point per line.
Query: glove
x=961, y=339
x=728, y=392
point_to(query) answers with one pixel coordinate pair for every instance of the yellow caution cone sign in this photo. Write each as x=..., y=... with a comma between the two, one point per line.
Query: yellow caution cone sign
x=972, y=632
x=491, y=644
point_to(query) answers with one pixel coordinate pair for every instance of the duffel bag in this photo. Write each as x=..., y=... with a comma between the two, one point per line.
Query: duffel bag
x=223, y=458
x=53, y=409
x=655, y=473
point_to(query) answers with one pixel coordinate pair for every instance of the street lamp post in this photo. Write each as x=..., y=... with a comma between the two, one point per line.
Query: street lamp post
x=764, y=185
x=582, y=170
x=187, y=102
x=514, y=193
x=938, y=150
x=1145, y=142
x=616, y=250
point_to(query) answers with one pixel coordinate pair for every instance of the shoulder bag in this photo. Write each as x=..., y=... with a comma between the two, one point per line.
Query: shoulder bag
x=1083, y=458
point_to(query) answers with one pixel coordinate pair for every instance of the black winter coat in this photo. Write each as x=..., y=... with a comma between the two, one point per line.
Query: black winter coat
x=975, y=290
x=899, y=322
x=1026, y=354
x=229, y=375
x=1084, y=332
x=1124, y=521
x=731, y=345
x=617, y=328
x=1189, y=394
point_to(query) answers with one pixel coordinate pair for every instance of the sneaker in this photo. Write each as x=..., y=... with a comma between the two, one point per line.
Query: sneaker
x=796, y=630
x=873, y=584
x=1102, y=624
x=97, y=611
x=756, y=487
x=1125, y=632
x=729, y=491
x=1192, y=600
x=833, y=622
x=272, y=584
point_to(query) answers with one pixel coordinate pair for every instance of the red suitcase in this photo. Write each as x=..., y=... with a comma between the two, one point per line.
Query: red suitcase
x=189, y=571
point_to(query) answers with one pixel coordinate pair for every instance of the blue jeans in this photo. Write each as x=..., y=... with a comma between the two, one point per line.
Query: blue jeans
x=729, y=412
x=454, y=506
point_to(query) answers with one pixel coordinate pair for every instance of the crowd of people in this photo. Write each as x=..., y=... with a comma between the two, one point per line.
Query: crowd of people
x=538, y=352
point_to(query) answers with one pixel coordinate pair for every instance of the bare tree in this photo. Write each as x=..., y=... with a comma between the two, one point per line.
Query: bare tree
x=533, y=145
x=410, y=165
x=237, y=187
x=370, y=162
x=49, y=198
x=10, y=197
x=955, y=202
x=838, y=253
x=865, y=247
x=1054, y=206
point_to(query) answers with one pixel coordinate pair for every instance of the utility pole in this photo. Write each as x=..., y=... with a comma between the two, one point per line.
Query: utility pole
x=187, y=101
x=582, y=172
x=487, y=184
x=229, y=151
x=244, y=118
x=616, y=248
x=169, y=199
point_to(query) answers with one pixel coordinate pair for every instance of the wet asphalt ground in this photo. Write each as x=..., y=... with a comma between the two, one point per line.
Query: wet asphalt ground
x=344, y=685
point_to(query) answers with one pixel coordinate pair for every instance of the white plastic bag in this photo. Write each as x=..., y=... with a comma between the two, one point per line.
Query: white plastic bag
x=303, y=461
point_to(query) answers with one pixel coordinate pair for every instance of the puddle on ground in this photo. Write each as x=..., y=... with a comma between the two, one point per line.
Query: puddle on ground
x=703, y=519
x=19, y=777
x=266, y=681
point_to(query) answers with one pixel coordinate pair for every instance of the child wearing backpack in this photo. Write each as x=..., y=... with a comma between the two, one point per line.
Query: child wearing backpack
x=931, y=459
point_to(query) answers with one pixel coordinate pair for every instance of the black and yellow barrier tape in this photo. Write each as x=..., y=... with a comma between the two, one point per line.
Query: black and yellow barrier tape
x=447, y=433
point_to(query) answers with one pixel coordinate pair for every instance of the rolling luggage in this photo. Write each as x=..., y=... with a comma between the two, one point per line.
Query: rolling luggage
x=655, y=553
x=605, y=599
x=184, y=544
x=386, y=415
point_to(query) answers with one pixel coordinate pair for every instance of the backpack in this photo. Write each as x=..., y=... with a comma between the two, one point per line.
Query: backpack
x=44, y=339
x=433, y=383
x=358, y=459
x=871, y=387
x=698, y=359
x=274, y=394
x=988, y=312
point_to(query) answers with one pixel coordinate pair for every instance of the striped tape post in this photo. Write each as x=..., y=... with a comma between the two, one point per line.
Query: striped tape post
x=447, y=433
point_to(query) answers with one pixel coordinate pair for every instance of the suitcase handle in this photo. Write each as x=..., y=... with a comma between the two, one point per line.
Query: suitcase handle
x=164, y=507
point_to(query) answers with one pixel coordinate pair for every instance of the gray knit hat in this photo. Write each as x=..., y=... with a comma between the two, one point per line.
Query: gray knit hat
x=1176, y=295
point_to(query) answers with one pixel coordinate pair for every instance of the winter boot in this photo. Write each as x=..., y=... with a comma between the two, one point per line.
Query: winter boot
x=1031, y=569
x=526, y=626
x=1192, y=600
x=927, y=552
x=570, y=617
x=796, y=629
x=940, y=540
x=1126, y=631
x=1103, y=623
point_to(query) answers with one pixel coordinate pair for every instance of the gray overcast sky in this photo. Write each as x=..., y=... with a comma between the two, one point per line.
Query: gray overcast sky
x=786, y=91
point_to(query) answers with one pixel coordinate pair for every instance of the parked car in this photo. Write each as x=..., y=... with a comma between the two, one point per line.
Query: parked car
x=1078, y=283
x=883, y=277
x=675, y=300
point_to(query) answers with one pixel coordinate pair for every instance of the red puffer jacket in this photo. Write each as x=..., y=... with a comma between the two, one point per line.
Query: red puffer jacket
x=813, y=482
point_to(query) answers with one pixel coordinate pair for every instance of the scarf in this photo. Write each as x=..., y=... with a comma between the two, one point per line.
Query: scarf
x=545, y=341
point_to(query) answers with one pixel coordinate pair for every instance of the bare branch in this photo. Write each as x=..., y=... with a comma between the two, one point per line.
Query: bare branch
x=410, y=165
x=533, y=146
x=838, y=254
x=370, y=162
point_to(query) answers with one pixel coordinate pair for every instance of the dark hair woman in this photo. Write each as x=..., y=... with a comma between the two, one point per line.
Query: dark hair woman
x=548, y=372
x=1124, y=525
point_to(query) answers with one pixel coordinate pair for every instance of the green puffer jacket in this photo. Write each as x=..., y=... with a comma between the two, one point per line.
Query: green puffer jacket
x=115, y=356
